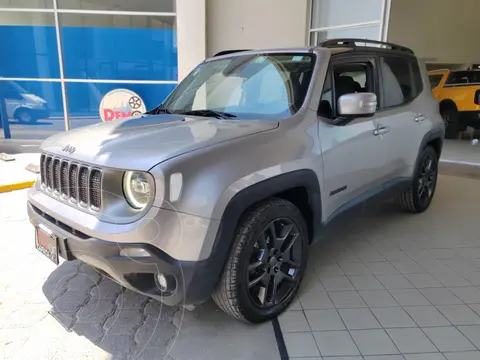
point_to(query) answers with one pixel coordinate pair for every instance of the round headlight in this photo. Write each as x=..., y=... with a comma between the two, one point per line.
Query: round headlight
x=136, y=188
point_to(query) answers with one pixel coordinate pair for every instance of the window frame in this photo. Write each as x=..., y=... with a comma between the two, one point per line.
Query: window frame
x=453, y=73
x=413, y=61
x=409, y=59
x=367, y=60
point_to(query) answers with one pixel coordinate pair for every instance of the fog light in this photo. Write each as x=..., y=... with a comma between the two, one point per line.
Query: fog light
x=134, y=252
x=162, y=282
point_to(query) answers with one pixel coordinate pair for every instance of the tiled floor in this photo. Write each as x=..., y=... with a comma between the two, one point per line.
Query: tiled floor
x=462, y=150
x=394, y=286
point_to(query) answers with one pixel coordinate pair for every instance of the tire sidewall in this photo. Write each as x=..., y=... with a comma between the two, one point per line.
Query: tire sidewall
x=452, y=128
x=428, y=151
x=22, y=111
x=249, y=310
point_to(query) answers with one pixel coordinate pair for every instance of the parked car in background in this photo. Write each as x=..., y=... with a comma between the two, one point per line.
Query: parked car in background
x=220, y=190
x=458, y=93
x=25, y=107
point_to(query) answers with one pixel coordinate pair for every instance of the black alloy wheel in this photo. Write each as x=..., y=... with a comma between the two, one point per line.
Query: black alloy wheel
x=427, y=179
x=274, y=263
x=266, y=263
x=419, y=195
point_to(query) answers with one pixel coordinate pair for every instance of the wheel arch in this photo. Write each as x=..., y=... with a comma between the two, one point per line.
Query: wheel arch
x=434, y=138
x=19, y=109
x=447, y=104
x=301, y=187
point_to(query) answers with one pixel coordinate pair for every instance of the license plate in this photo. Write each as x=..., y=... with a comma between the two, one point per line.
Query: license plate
x=47, y=244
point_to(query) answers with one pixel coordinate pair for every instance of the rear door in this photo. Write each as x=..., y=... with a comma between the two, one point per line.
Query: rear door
x=400, y=113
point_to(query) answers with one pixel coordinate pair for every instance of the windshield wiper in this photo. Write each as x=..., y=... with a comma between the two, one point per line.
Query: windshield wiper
x=210, y=113
x=158, y=110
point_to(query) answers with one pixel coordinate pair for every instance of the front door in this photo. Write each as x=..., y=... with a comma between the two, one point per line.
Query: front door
x=353, y=155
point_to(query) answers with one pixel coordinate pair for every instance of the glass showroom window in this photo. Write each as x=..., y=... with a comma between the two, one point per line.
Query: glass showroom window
x=118, y=47
x=31, y=4
x=347, y=19
x=167, y=6
x=123, y=48
x=30, y=90
x=61, y=57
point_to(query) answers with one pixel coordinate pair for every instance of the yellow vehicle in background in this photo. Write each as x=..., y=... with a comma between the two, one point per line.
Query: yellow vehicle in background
x=458, y=93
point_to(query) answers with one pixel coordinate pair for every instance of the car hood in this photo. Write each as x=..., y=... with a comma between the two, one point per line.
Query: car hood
x=141, y=143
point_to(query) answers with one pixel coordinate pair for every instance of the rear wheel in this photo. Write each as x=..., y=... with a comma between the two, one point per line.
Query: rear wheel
x=420, y=193
x=266, y=264
x=451, y=119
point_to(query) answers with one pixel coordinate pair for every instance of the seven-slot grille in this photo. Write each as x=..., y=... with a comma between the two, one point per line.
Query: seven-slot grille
x=78, y=182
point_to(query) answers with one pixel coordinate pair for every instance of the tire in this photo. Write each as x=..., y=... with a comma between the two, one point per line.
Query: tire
x=235, y=294
x=452, y=126
x=412, y=200
x=25, y=116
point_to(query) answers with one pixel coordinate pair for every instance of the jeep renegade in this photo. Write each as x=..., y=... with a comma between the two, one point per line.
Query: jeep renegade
x=219, y=191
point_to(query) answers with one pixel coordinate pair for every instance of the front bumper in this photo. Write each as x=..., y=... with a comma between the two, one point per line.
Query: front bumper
x=189, y=282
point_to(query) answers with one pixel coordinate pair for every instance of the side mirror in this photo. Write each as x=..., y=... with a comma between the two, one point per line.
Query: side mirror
x=355, y=105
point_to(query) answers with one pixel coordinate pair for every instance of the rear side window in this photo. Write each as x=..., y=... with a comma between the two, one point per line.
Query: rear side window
x=435, y=80
x=463, y=77
x=398, y=81
x=417, y=77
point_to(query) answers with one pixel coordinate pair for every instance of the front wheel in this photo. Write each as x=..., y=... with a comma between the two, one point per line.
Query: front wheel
x=420, y=193
x=25, y=116
x=266, y=263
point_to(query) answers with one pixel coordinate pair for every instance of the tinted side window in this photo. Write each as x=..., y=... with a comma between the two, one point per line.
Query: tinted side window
x=325, y=107
x=417, y=77
x=435, y=80
x=463, y=77
x=397, y=81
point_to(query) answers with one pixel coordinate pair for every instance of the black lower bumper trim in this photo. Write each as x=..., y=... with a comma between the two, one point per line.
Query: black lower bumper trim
x=189, y=282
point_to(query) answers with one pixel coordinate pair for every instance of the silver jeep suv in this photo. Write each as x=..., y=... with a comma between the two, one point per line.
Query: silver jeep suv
x=219, y=191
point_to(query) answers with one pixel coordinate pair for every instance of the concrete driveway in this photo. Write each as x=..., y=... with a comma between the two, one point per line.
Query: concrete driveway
x=72, y=312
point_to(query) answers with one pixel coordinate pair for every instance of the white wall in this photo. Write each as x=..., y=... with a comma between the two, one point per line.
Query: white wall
x=327, y=13
x=256, y=24
x=191, y=35
x=442, y=31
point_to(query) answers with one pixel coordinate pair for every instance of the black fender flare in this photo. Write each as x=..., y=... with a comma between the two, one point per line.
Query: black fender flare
x=436, y=134
x=251, y=195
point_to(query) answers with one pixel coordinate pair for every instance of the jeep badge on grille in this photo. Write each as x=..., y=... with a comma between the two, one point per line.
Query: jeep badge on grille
x=69, y=149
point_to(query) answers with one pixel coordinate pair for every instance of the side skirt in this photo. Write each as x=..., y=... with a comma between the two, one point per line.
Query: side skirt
x=364, y=203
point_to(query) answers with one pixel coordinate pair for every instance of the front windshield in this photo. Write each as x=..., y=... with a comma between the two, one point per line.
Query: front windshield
x=261, y=86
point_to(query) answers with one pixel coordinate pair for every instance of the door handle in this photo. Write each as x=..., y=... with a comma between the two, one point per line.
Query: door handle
x=419, y=118
x=381, y=131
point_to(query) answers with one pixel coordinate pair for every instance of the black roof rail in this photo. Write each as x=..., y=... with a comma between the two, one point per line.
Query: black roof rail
x=351, y=42
x=226, y=52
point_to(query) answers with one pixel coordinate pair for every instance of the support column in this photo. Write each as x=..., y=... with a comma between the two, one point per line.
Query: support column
x=191, y=35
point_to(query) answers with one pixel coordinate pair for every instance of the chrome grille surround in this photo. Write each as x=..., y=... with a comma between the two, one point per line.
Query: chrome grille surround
x=71, y=181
